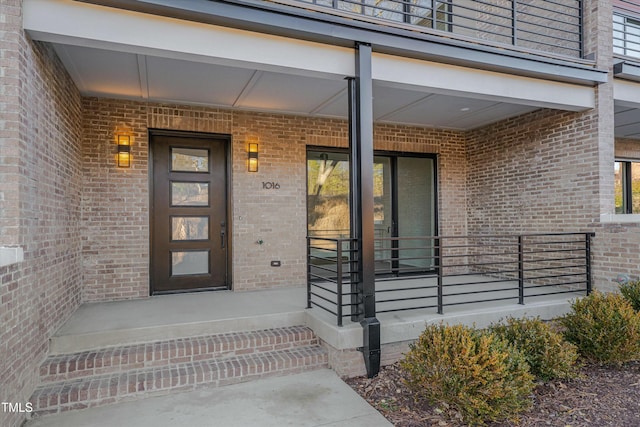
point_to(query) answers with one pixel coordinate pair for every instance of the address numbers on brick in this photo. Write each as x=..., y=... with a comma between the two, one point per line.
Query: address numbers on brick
x=266, y=185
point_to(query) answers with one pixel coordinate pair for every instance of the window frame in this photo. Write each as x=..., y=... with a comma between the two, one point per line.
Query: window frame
x=627, y=185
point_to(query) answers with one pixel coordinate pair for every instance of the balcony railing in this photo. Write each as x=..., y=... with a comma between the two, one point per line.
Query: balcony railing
x=434, y=272
x=626, y=36
x=551, y=26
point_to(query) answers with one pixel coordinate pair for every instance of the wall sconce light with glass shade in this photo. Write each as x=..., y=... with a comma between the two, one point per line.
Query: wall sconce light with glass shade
x=124, y=151
x=252, y=165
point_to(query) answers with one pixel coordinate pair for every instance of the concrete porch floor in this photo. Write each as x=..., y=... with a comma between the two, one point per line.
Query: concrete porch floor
x=196, y=314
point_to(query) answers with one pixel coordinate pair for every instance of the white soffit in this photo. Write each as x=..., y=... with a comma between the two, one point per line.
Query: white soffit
x=626, y=93
x=107, y=28
x=400, y=72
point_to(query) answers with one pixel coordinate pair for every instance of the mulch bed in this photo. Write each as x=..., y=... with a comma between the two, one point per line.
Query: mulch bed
x=601, y=396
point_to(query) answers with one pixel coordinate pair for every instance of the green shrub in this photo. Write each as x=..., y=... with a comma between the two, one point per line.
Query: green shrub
x=605, y=327
x=481, y=376
x=549, y=356
x=631, y=291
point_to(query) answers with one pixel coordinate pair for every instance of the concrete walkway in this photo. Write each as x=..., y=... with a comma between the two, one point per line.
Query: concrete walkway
x=317, y=398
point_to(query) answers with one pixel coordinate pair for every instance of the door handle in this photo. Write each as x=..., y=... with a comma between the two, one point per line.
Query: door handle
x=223, y=231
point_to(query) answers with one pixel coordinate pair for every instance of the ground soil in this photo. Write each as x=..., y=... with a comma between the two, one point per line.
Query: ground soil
x=601, y=396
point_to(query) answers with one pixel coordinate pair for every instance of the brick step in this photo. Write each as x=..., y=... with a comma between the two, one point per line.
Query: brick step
x=169, y=352
x=134, y=384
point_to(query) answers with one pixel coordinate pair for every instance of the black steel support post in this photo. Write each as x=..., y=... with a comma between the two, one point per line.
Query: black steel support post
x=520, y=271
x=589, y=273
x=308, y=272
x=362, y=203
x=438, y=242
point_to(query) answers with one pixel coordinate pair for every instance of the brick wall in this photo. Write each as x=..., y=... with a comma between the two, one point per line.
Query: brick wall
x=534, y=173
x=542, y=172
x=115, y=219
x=616, y=247
x=40, y=176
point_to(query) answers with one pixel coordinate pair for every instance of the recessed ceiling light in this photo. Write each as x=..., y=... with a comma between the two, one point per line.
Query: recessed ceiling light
x=465, y=109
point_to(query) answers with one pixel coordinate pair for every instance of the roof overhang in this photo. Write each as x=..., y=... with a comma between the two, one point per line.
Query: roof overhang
x=627, y=70
x=626, y=95
x=297, y=22
x=112, y=52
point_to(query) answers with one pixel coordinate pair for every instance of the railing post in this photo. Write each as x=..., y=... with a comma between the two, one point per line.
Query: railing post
x=339, y=280
x=587, y=238
x=520, y=271
x=406, y=12
x=514, y=22
x=582, y=32
x=308, y=272
x=440, y=274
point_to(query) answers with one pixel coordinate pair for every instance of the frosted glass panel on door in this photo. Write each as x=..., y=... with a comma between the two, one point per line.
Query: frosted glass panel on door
x=189, y=263
x=189, y=160
x=190, y=228
x=189, y=194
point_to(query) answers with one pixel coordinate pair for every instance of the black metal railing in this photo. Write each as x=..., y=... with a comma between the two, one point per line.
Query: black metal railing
x=553, y=26
x=626, y=36
x=434, y=272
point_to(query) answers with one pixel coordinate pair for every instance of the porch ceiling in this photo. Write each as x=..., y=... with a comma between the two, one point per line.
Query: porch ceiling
x=626, y=94
x=108, y=73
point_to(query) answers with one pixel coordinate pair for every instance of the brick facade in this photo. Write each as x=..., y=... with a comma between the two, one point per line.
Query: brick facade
x=115, y=219
x=40, y=172
x=83, y=223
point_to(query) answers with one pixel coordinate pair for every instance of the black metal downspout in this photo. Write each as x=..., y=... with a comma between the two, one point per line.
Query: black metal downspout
x=362, y=203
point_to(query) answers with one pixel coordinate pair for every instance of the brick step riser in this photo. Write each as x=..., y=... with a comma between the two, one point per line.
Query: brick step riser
x=136, y=384
x=171, y=352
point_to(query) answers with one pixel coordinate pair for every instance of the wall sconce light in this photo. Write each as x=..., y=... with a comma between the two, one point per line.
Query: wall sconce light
x=253, y=157
x=124, y=151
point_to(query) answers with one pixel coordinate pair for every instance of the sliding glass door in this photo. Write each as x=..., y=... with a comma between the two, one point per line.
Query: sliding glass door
x=404, y=206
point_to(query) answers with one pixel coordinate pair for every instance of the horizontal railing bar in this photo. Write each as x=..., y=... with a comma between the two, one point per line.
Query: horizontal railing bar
x=486, y=291
x=577, y=2
x=480, y=301
x=555, y=242
x=556, y=276
x=553, y=259
x=522, y=11
x=480, y=264
x=572, y=31
x=556, y=267
x=545, y=43
x=417, y=288
x=331, y=291
x=581, y=282
x=405, y=299
x=450, y=285
x=323, y=298
x=324, y=308
x=406, y=309
x=575, y=26
x=475, y=273
x=554, y=250
x=407, y=277
x=319, y=267
x=556, y=293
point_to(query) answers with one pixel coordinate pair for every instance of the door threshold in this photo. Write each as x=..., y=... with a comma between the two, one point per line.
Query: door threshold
x=191, y=291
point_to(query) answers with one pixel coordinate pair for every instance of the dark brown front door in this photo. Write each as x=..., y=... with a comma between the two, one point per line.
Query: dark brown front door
x=189, y=222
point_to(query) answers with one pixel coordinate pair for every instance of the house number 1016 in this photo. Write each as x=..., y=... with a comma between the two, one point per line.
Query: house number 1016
x=270, y=186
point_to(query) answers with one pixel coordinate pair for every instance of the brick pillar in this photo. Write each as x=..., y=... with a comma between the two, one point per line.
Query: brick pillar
x=598, y=44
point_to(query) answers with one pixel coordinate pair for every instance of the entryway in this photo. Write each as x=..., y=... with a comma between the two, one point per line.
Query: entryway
x=189, y=226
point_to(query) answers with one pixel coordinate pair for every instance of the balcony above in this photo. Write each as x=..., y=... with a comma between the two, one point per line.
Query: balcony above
x=542, y=26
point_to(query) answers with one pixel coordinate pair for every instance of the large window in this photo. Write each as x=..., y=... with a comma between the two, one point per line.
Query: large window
x=627, y=187
x=404, y=191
